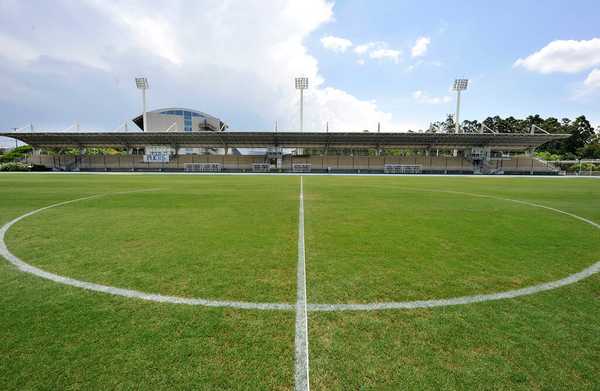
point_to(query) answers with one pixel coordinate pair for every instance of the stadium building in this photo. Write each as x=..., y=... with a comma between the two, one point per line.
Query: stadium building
x=179, y=139
x=176, y=119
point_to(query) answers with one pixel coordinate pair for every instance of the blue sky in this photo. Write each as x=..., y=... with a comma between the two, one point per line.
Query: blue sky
x=368, y=61
x=475, y=39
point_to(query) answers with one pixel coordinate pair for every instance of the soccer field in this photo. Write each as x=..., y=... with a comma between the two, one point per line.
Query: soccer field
x=198, y=282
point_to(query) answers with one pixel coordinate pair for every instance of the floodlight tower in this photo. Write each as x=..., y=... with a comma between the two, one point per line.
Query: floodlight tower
x=142, y=84
x=459, y=85
x=301, y=84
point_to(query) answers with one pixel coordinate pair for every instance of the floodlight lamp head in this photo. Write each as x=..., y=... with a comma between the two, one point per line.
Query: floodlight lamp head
x=302, y=83
x=460, y=84
x=141, y=83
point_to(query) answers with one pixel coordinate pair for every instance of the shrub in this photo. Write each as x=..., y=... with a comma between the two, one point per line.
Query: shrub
x=15, y=154
x=13, y=166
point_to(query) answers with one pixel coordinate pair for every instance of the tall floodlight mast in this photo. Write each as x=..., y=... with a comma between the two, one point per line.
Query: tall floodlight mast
x=142, y=84
x=301, y=84
x=459, y=85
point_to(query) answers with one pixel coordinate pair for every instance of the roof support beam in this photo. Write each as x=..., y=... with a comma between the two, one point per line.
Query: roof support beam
x=286, y=140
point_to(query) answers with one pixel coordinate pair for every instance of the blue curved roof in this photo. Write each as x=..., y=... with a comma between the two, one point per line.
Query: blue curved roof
x=180, y=110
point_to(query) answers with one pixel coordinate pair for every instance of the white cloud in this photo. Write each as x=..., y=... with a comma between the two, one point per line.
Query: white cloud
x=340, y=109
x=362, y=49
x=590, y=86
x=386, y=54
x=336, y=44
x=420, y=47
x=17, y=50
x=567, y=56
x=421, y=97
x=593, y=80
x=146, y=38
x=153, y=32
x=377, y=50
x=24, y=51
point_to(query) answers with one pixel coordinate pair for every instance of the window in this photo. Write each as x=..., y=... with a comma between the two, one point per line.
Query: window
x=187, y=121
x=187, y=117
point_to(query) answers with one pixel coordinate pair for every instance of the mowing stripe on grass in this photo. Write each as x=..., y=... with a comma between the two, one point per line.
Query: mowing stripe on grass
x=301, y=370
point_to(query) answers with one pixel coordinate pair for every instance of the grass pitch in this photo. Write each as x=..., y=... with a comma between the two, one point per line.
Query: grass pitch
x=376, y=239
x=221, y=238
x=368, y=239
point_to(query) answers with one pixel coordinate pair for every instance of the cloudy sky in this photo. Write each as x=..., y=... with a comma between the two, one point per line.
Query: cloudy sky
x=368, y=61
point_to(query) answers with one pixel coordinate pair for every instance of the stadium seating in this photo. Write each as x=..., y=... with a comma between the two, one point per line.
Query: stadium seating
x=523, y=165
x=245, y=163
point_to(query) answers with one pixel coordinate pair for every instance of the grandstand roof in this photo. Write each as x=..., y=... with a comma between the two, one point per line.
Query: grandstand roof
x=236, y=139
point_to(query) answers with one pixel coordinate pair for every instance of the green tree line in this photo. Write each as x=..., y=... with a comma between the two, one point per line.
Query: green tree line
x=584, y=142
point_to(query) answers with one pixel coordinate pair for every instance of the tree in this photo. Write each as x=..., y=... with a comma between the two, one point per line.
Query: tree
x=448, y=125
x=508, y=125
x=582, y=143
x=582, y=134
x=471, y=126
x=551, y=125
x=435, y=127
x=15, y=154
x=534, y=120
x=590, y=151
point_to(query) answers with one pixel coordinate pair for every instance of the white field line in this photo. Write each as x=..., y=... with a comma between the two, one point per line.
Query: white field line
x=301, y=341
x=595, y=268
x=27, y=268
x=530, y=290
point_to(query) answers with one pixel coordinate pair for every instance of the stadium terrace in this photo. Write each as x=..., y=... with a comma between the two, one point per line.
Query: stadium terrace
x=179, y=139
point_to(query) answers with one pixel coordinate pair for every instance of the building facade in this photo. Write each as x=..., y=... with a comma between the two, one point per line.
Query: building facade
x=176, y=119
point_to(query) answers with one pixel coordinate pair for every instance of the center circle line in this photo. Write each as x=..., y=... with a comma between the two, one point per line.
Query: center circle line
x=393, y=305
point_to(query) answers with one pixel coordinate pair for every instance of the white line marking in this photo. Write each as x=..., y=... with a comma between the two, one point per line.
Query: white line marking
x=595, y=268
x=27, y=268
x=585, y=273
x=301, y=372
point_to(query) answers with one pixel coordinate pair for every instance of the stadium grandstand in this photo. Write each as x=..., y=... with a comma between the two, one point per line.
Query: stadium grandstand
x=180, y=139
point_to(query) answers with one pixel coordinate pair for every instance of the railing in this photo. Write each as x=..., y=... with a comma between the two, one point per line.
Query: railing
x=301, y=167
x=261, y=167
x=401, y=169
x=202, y=167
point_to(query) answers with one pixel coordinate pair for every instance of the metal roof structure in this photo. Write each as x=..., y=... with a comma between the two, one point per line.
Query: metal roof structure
x=236, y=139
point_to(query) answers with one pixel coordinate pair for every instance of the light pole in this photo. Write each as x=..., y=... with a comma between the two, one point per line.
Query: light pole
x=301, y=84
x=142, y=84
x=459, y=85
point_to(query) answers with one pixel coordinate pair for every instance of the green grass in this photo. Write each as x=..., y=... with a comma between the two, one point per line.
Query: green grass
x=383, y=239
x=222, y=238
x=235, y=238
x=60, y=338
x=548, y=341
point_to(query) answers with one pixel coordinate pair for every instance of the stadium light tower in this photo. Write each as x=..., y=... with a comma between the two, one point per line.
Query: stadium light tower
x=142, y=84
x=459, y=85
x=301, y=84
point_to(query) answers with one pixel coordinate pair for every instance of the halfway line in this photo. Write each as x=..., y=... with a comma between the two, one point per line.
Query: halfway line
x=301, y=368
